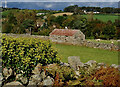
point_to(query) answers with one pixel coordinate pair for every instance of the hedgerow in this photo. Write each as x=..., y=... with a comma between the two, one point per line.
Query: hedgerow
x=23, y=54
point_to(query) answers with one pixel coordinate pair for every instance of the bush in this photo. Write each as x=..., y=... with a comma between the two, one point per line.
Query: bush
x=109, y=76
x=65, y=73
x=23, y=54
x=44, y=32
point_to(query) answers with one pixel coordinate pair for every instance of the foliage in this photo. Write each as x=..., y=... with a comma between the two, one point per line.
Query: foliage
x=117, y=24
x=44, y=32
x=109, y=76
x=27, y=23
x=23, y=54
x=88, y=69
x=73, y=21
x=77, y=9
x=79, y=22
x=84, y=77
x=6, y=28
x=99, y=29
x=56, y=83
x=61, y=71
x=5, y=13
x=19, y=21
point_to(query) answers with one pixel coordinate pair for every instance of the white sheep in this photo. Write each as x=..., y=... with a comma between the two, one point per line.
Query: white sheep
x=98, y=40
x=112, y=42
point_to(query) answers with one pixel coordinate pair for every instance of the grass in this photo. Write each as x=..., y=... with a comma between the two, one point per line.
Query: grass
x=104, y=41
x=104, y=18
x=86, y=54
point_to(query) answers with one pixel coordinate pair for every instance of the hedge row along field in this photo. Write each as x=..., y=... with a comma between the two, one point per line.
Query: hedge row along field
x=23, y=54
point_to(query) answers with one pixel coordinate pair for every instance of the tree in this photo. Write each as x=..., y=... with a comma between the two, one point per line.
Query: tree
x=9, y=24
x=79, y=22
x=71, y=8
x=11, y=18
x=6, y=27
x=28, y=23
x=59, y=20
x=68, y=22
x=109, y=31
x=107, y=10
x=117, y=24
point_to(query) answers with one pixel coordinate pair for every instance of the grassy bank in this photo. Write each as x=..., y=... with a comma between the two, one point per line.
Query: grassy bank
x=86, y=54
x=104, y=41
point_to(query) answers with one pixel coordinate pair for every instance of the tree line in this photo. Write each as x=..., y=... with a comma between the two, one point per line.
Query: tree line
x=79, y=10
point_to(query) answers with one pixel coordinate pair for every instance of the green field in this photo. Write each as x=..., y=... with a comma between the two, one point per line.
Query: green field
x=86, y=54
x=104, y=18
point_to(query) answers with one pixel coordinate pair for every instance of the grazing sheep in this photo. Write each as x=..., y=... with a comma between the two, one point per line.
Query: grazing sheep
x=98, y=40
x=118, y=40
x=112, y=42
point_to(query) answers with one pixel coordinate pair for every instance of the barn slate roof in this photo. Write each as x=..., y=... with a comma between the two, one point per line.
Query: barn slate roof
x=64, y=32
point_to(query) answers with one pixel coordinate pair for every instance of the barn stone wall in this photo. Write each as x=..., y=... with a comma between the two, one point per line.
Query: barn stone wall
x=72, y=40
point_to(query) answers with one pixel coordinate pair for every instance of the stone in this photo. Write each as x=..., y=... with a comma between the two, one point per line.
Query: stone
x=48, y=81
x=101, y=64
x=74, y=62
x=24, y=80
x=7, y=72
x=18, y=76
x=119, y=67
x=43, y=75
x=1, y=78
x=40, y=84
x=61, y=63
x=32, y=83
x=37, y=78
x=13, y=84
x=114, y=65
x=37, y=69
x=77, y=73
x=66, y=64
x=0, y=68
x=86, y=66
x=98, y=67
x=51, y=66
x=91, y=62
x=0, y=83
x=10, y=71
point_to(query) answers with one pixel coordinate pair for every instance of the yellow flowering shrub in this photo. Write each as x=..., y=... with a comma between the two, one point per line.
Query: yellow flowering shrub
x=23, y=54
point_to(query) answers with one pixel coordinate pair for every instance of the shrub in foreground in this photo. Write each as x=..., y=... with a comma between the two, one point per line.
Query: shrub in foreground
x=109, y=76
x=23, y=54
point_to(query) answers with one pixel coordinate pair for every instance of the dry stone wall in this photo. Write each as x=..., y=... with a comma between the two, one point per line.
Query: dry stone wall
x=72, y=40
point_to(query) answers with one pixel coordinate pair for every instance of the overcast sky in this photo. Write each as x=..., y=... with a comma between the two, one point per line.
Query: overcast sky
x=62, y=0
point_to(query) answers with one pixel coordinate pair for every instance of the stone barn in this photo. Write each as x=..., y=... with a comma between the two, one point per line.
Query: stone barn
x=67, y=35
